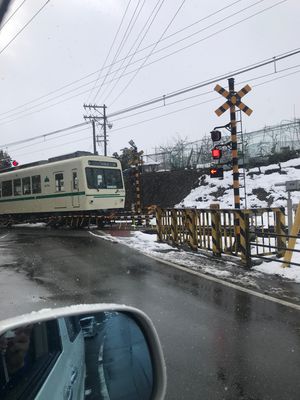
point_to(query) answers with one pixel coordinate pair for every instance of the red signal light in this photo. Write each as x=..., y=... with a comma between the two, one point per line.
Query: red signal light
x=216, y=153
x=15, y=163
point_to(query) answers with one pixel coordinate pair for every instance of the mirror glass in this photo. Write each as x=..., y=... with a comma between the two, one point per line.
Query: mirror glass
x=93, y=356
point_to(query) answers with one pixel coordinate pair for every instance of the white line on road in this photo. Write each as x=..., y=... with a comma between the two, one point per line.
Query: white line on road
x=2, y=237
x=211, y=278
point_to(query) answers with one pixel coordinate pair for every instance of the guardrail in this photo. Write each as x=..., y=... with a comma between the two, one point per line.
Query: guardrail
x=263, y=232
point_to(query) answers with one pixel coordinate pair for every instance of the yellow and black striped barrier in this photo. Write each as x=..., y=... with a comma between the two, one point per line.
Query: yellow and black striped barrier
x=262, y=231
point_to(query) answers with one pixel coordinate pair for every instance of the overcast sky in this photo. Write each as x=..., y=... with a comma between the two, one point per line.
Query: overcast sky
x=70, y=40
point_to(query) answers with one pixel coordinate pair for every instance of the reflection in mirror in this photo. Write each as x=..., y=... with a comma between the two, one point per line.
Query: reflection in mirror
x=100, y=356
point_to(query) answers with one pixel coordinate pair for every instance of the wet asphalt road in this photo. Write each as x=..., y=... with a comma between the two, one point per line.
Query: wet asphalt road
x=219, y=343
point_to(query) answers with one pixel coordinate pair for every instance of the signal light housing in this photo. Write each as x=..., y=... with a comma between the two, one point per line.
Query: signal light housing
x=215, y=136
x=216, y=172
x=216, y=153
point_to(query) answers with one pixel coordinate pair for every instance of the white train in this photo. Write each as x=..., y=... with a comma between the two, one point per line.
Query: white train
x=64, y=185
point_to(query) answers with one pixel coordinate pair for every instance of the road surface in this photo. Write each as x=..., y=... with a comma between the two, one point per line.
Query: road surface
x=219, y=342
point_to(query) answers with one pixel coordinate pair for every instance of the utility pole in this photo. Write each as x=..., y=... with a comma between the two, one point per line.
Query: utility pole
x=94, y=136
x=104, y=124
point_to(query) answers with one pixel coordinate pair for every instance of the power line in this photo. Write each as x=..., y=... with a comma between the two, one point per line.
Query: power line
x=163, y=98
x=150, y=53
x=120, y=47
x=44, y=135
x=193, y=105
x=178, y=92
x=124, y=58
x=110, y=49
x=52, y=138
x=10, y=17
x=24, y=27
x=97, y=71
x=202, y=94
x=54, y=147
x=213, y=34
x=156, y=117
x=132, y=55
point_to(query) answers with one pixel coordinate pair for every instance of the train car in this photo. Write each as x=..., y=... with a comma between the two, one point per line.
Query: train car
x=64, y=185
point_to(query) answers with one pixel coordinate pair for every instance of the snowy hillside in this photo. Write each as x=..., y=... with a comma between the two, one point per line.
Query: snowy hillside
x=260, y=186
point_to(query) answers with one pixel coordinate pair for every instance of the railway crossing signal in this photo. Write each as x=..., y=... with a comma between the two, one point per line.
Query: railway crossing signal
x=216, y=172
x=233, y=100
x=215, y=135
x=216, y=153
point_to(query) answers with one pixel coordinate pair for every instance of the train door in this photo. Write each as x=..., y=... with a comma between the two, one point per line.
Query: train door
x=75, y=189
x=60, y=196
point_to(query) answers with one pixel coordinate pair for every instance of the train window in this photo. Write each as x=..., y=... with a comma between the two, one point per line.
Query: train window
x=26, y=185
x=7, y=188
x=36, y=184
x=17, y=187
x=98, y=178
x=113, y=179
x=59, y=182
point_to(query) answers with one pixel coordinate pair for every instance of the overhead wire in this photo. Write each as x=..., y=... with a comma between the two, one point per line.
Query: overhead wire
x=120, y=47
x=201, y=94
x=11, y=16
x=150, y=53
x=213, y=34
x=109, y=51
x=44, y=135
x=163, y=98
x=194, y=105
x=128, y=52
x=24, y=27
x=160, y=116
x=93, y=73
x=130, y=55
x=51, y=138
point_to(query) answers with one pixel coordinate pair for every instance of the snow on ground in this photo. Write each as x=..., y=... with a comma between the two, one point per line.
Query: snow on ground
x=275, y=268
x=278, y=268
x=265, y=194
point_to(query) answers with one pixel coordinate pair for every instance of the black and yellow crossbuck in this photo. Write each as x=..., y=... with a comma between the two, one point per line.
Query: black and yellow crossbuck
x=233, y=100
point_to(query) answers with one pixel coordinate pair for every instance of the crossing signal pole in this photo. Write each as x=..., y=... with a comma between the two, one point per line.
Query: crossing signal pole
x=104, y=124
x=234, y=100
x=136, y=174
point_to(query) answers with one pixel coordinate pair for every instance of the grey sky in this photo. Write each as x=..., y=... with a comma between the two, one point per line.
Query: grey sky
x=70, y=39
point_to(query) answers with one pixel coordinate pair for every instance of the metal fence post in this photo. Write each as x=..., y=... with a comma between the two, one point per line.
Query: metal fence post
x=158, y=213
x=280, y=232
x=216, y=232
x=174, y=226
x=245, y=246
x=192, y=229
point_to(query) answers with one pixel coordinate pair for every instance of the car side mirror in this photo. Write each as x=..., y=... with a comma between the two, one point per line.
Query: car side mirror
x=98, y=351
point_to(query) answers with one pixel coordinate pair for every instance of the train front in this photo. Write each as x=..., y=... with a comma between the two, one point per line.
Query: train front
x=104, y=184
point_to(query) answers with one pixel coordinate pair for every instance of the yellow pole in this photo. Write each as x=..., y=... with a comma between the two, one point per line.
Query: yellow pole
x=292, y=240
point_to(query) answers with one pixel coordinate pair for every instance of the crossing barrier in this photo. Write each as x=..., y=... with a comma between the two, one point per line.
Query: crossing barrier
x=263, y=232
